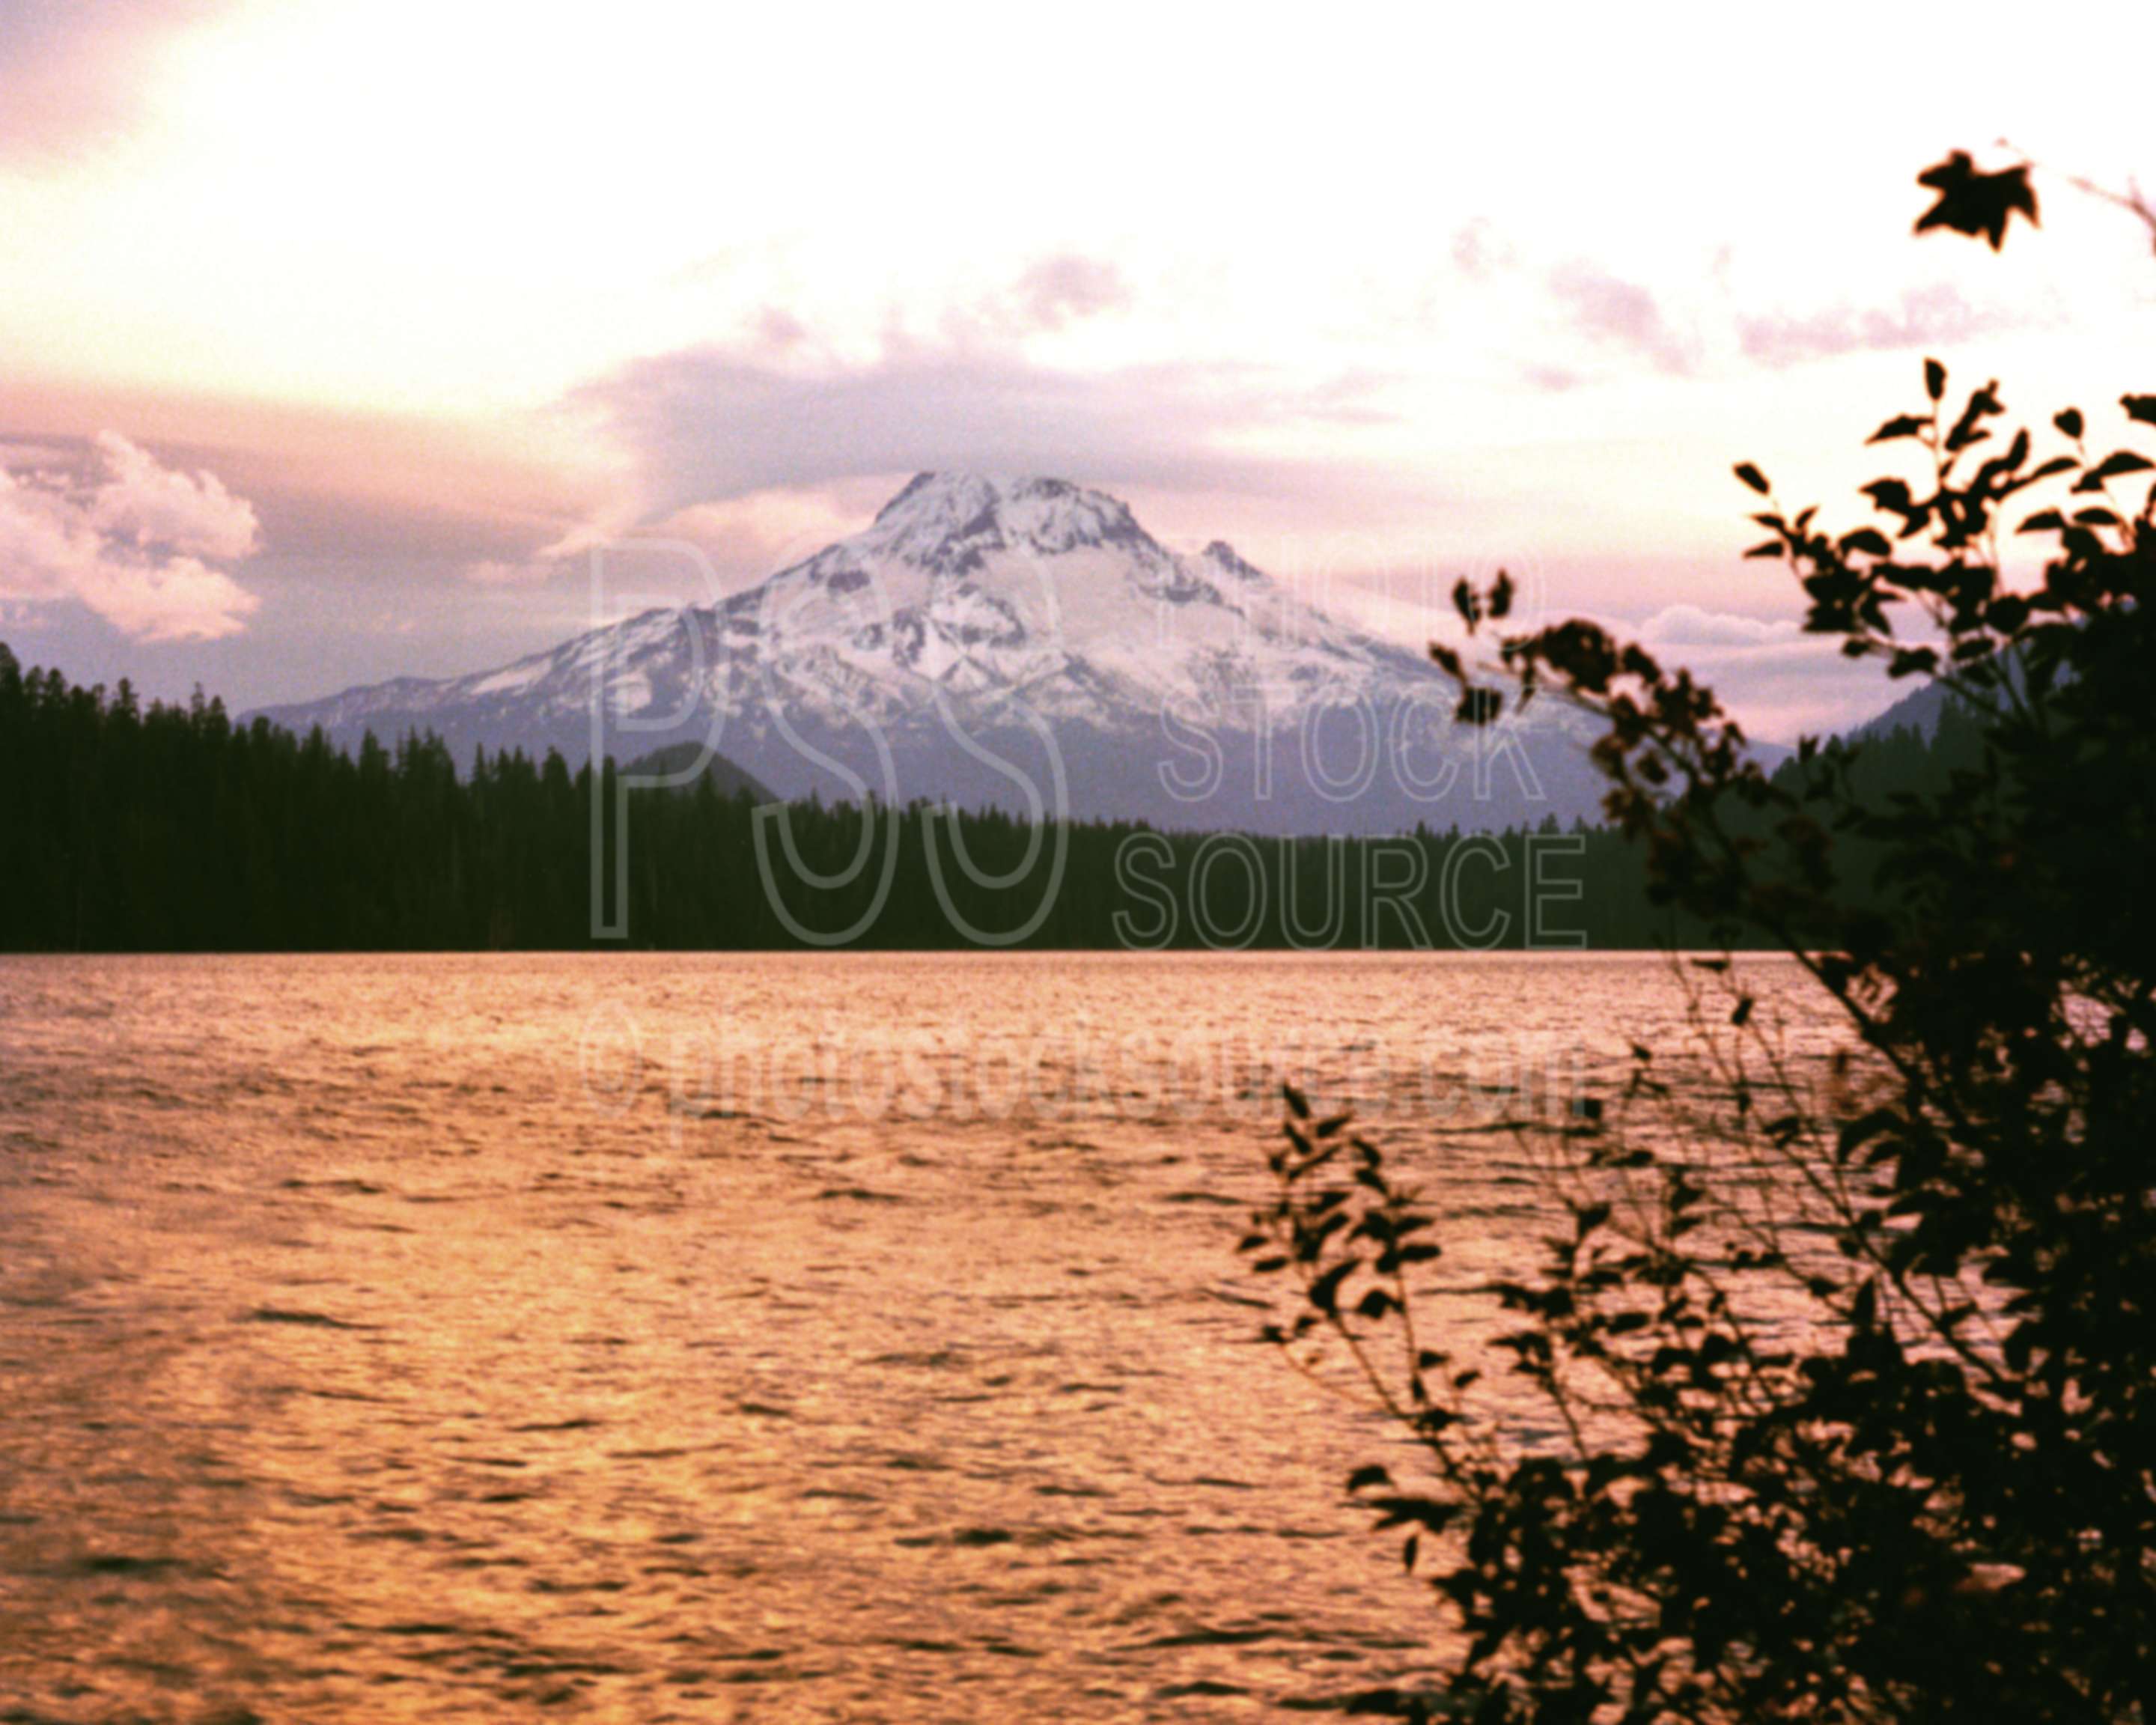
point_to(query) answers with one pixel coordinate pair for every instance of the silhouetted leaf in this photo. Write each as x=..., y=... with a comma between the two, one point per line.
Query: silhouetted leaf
x=2114, y=466
x=1974, y=202
x=1324, y=1293
x=1902, y=425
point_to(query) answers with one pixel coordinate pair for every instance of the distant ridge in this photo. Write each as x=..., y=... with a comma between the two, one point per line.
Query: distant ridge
x=727, y=779
x=1920, y=708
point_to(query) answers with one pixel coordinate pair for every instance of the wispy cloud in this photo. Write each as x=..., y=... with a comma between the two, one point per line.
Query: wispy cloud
x=1695, y=626
x=1931, y=316
x=1782, y=681
x=1066, y=288
x=1555, y=379
x=778, y=330
x=705, y=424
x=1479, y=252
x=391, y=493
x=1049, y=296
x=1613, y=312
x=135, y=541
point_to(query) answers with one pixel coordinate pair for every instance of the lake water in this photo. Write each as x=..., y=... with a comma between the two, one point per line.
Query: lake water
x=688, y=1338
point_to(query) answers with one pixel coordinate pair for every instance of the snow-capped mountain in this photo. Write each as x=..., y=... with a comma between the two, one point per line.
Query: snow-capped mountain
x=1024, y=642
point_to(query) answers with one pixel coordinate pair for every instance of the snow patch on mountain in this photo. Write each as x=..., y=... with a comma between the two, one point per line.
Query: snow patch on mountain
x=973, y=604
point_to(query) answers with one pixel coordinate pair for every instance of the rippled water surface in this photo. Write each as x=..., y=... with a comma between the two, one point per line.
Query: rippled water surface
x=704, y=1338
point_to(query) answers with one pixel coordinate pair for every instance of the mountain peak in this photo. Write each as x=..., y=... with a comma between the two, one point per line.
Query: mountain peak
x=987, y=606
x=934, y=488
x=954, y=520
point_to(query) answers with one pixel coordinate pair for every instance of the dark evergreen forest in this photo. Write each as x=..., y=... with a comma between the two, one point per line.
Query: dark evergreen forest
x=165, y=828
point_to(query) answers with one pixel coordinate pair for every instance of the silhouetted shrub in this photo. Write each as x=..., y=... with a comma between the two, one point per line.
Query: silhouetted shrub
x=1855, y=1371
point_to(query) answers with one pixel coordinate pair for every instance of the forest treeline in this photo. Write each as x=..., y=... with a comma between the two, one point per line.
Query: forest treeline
x=163, y=826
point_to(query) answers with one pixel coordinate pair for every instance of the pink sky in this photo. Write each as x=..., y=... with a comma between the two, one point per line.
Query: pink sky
x=428, y=297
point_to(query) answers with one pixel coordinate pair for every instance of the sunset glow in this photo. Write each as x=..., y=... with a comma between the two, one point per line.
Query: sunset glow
x=1422, y=295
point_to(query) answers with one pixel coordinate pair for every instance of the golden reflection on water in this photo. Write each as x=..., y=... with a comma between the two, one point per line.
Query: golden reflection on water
x=440, y=1339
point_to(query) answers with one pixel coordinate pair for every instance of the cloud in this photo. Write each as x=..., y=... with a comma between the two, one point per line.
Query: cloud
x=388, y=492
x=1691, y=625
x=1935, y=316
x=1061, y=290
x=1781, y=681
x=780, y=410
x=74, y=71
x=135, y=541
x=778, y=330
x=705, y=425
x=746, y=537
x=1047, y=296
x=146, y=506
x=1479, y=252
x=1554, y=379
x=1613, y=312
